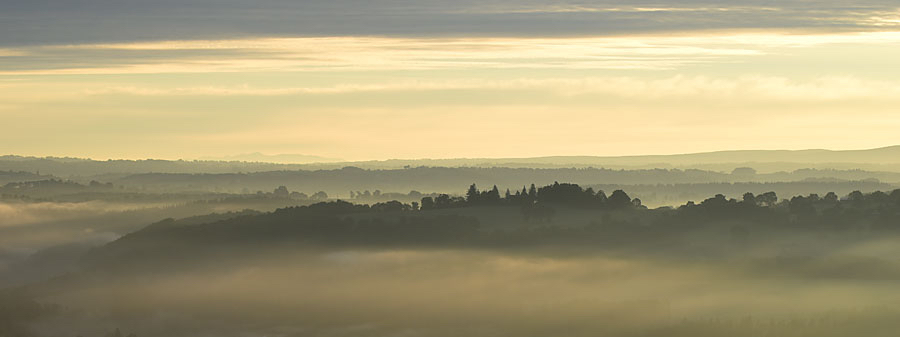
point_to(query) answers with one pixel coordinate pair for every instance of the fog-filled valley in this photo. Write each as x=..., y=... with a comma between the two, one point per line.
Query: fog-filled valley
x=491, y=168
x=449, y=251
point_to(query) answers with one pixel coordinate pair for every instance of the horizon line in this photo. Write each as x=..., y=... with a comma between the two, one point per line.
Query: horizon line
x=201, y=159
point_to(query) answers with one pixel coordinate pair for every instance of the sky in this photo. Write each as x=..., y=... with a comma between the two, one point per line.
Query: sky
x=380, y=79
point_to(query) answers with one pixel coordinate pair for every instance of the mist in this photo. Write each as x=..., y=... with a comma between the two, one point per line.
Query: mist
x=569, y=261
x=477, y=293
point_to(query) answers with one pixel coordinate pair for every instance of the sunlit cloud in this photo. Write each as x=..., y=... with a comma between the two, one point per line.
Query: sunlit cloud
x=385, y=54
x=747, y=87
x=12, y=52
x=329, y=54
x=885, y=19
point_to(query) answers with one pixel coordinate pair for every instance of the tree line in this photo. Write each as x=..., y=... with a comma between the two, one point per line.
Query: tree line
x=556, y=193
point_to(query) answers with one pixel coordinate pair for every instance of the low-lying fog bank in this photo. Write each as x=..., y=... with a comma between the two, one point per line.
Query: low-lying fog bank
x=469, y=293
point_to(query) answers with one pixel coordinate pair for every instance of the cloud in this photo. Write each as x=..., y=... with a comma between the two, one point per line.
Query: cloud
x=60, y=21
x=11, y=52
x=746, y=87
x=388, y=54
x=372, y=53
x=342, y=54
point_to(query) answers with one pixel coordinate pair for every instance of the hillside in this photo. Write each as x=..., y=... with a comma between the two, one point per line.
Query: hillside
x=563, y=215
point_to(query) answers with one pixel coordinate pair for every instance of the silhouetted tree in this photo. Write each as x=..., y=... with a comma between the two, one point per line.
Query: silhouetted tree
x=472, y=195
x=749, y=198
x=442, y=201
x=619, y=200
x=492, y=197
x=767, y=199
x=320, y=195
x=281, y=192
x=427, y=203
x=601, y=198
x=637, y=203
x=855, y=198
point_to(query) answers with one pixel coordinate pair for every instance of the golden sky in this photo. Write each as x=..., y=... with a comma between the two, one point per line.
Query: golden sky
x=358, y=97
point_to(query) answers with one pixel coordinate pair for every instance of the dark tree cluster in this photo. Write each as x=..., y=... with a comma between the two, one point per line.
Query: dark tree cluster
x=877, y=210
x=443, y=201
x=282, y=192
x=378, y=196
x=557, y=194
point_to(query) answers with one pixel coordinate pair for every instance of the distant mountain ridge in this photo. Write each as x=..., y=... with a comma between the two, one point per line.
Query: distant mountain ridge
x=884, y=155
x=879, y=159
x=286, y=158
x=886, y=159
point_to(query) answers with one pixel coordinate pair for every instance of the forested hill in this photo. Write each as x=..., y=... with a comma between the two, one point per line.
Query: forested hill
x=556, y=214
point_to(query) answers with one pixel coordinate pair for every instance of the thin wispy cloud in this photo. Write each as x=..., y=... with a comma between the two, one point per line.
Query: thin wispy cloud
x=329, y=54
x=11, y=52
x=744, y=88
x=385, y=54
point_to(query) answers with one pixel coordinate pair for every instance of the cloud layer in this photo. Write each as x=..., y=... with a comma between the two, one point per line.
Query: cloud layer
x=390, y=54
x=59, y=21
